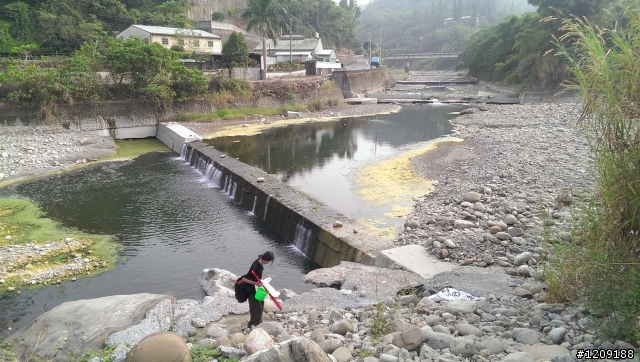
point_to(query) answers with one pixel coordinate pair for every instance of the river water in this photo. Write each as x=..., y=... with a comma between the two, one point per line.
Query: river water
x=323, y=158
x=172, y=222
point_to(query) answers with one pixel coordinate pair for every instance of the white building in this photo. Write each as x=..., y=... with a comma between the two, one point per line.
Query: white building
x=191, y=40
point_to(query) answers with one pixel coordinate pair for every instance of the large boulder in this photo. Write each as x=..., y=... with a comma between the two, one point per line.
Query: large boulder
x=546, y=352
x=160, y=347
x=437, y=340
x=217, y=282
x=410, y=339
x=258, y=340
x=79, y=326
x=299, y=349
x=274, y=329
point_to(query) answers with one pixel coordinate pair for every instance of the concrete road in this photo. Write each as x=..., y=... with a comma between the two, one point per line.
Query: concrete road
x=354, y=62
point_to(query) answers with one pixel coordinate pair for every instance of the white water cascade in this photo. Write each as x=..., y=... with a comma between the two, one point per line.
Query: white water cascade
x=302, y=239
x=255, y=201
x=206, y=167
x=215, y=177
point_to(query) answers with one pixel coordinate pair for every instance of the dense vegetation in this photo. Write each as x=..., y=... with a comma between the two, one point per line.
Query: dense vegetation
x=134, y=70
x=62, y=26
x=601, y=266
x=514, y=51
x=335, y=24
x=83, y=32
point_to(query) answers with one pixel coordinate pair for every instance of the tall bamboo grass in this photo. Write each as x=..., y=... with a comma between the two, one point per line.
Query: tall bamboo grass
x=601, y=267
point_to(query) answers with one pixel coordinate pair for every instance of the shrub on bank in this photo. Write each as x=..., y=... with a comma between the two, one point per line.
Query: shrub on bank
x=601, y=267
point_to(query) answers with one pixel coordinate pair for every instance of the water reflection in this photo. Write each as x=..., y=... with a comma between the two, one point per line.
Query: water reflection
x=170, y=222
x=319, y=158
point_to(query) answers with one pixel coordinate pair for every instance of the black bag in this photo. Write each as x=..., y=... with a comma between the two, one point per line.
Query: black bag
x=242, y=290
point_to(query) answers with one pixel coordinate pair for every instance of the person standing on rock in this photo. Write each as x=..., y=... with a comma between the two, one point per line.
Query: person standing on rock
x=255, y=306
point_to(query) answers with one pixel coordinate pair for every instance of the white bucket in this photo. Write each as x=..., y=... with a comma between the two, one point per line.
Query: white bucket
x=269, y=288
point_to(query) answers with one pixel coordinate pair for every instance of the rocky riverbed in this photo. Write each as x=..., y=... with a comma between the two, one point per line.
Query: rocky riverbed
x=503, y=197
x=26, y=151
x=508, y=192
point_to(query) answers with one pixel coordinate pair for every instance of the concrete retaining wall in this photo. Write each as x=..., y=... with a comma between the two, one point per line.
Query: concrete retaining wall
x=294, y=216
x=359, y=82
x=175, y=135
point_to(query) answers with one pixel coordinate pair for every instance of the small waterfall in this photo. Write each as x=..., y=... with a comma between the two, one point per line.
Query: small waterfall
x=255, y=201
x=233, y=188
x=183, y=152
x=202, y=165
x=208, y=173
x=223, y=181
x=215, y=177
x=302, y=238
x=241, y=196
x=188, y=158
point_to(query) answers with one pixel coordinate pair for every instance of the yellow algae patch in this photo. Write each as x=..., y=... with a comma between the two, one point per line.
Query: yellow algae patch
x=393, y=181
x=130, y=149
x=399, y=211
x=377, y=227
x=254, y=129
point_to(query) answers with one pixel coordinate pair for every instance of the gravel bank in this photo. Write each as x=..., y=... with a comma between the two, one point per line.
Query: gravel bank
x=518, y=174
x=28, y=151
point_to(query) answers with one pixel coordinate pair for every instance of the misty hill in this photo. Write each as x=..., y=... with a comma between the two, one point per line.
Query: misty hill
x=420, y=24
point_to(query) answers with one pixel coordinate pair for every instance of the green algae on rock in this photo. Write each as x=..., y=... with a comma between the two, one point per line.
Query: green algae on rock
x=35, y=250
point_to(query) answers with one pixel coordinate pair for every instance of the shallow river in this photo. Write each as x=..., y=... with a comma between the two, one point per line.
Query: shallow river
x=323, y=158
x=171, y=223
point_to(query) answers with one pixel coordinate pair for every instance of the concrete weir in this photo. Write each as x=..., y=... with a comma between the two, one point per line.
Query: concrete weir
x=305, y=223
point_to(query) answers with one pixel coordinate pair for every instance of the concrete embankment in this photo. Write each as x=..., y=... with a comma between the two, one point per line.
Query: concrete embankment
x=360, y=81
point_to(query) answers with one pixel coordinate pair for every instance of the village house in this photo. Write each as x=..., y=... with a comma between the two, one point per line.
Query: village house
x=301, y=49
x=191, y=40
x=295, y=47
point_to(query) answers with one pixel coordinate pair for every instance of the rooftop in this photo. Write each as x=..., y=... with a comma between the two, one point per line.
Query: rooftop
x=325, y=52
x=298, y=43
x=162, y=30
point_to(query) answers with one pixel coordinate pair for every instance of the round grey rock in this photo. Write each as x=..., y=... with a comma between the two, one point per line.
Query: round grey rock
x=557, y=335
x=472, y=197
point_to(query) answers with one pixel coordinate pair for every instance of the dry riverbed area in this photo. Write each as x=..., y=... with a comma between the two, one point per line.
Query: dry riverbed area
x=502, y=199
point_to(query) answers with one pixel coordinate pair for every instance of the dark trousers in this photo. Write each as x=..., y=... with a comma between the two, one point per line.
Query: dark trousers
x=255, y=311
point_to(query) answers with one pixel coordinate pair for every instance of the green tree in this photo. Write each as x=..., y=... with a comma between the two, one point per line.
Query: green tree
x=25, y=50
x=6, y=41
x=137, y=63
x=235, y=51
x=186, y=83
x=217, y=16
x=579, y=8
x=20, y=16
x=266, y=17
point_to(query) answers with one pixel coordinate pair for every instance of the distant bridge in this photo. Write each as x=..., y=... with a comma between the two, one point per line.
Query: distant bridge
x=411, y=54
x=426, y=55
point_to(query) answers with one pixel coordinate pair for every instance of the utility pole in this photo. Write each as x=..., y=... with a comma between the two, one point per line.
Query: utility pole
x=290, y=46
x=369, y=49
x=380, y=44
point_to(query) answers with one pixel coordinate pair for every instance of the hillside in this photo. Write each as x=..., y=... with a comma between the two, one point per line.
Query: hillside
x=62, y=26
x=420, y=24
